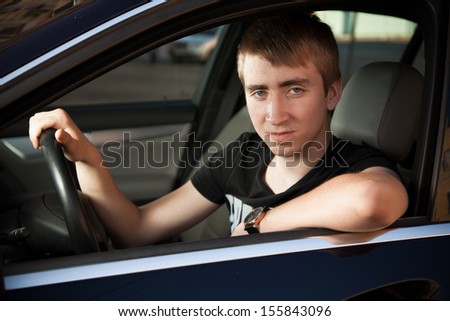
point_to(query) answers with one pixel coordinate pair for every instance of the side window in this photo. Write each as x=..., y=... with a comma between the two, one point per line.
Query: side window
x=170, y=72
x=363, y=38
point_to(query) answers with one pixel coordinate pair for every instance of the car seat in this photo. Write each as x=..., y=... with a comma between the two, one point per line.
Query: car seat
x=378, y=107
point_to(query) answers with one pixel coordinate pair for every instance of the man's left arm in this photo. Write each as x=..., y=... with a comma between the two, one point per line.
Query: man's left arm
x=357, y=202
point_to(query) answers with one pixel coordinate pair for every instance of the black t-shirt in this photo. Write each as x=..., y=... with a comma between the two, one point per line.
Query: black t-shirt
x=235, y=175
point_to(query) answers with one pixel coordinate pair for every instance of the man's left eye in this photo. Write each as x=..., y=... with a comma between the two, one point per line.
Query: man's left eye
x=296, y=90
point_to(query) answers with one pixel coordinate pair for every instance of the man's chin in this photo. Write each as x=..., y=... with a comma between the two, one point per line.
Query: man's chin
x=285, y=152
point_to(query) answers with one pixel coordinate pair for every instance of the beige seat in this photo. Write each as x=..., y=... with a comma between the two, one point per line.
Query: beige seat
x=379, y=107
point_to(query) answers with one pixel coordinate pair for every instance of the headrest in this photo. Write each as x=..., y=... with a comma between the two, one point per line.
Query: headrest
x=379, y=107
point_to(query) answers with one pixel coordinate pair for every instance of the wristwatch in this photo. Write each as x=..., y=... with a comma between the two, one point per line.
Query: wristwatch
x=253, y=219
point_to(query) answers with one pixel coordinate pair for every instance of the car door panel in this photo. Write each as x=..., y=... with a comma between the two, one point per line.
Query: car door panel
x=322, y=267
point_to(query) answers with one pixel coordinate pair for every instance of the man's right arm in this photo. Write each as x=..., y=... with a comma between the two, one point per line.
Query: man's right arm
x=127, y=224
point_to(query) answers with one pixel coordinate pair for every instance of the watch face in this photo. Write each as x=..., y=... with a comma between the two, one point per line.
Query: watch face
x=253, y=215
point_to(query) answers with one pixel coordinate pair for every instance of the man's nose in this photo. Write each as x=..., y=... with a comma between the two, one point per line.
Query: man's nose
x=276, y=111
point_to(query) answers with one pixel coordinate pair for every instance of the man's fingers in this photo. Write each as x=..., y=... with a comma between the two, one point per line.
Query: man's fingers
x=62, y=136
x=34, y=131
x=52, y=119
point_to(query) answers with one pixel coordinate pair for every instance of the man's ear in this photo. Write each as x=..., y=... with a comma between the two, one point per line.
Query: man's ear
x=334, y=94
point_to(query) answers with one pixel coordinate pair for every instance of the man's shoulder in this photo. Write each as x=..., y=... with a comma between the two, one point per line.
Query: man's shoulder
x=353, y=150
x=357, y=156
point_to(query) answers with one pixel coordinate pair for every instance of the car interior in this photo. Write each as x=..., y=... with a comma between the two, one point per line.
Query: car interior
x=381, y=106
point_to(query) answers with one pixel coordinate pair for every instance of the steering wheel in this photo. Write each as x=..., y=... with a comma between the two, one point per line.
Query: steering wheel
x=85, y=231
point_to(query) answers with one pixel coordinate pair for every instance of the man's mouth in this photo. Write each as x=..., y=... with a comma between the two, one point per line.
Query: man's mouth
x=281, y=136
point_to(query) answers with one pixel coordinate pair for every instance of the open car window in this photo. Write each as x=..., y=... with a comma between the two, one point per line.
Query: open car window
x=172, y=73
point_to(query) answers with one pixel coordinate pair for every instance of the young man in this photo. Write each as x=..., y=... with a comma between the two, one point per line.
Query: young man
x=291, y=174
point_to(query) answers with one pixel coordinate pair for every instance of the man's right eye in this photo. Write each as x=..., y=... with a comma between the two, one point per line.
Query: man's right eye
x=259, y=94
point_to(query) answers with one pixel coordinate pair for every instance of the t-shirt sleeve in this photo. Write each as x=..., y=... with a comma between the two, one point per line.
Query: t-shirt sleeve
x=212, y=178
x=209, y=179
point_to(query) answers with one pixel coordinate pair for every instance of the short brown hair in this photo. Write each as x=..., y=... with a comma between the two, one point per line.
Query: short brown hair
x=293, y=41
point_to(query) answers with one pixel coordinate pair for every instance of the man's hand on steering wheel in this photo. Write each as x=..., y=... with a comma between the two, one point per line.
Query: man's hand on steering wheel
x=67, y=133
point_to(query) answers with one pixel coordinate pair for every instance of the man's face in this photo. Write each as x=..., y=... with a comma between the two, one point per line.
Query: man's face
x=288, y=105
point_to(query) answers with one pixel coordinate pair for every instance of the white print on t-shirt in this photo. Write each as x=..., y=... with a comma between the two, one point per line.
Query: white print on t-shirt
x=238, y=210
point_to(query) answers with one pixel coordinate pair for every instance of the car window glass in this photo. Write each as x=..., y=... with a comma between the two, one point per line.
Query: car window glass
x=363, y=38
x=170, y=72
